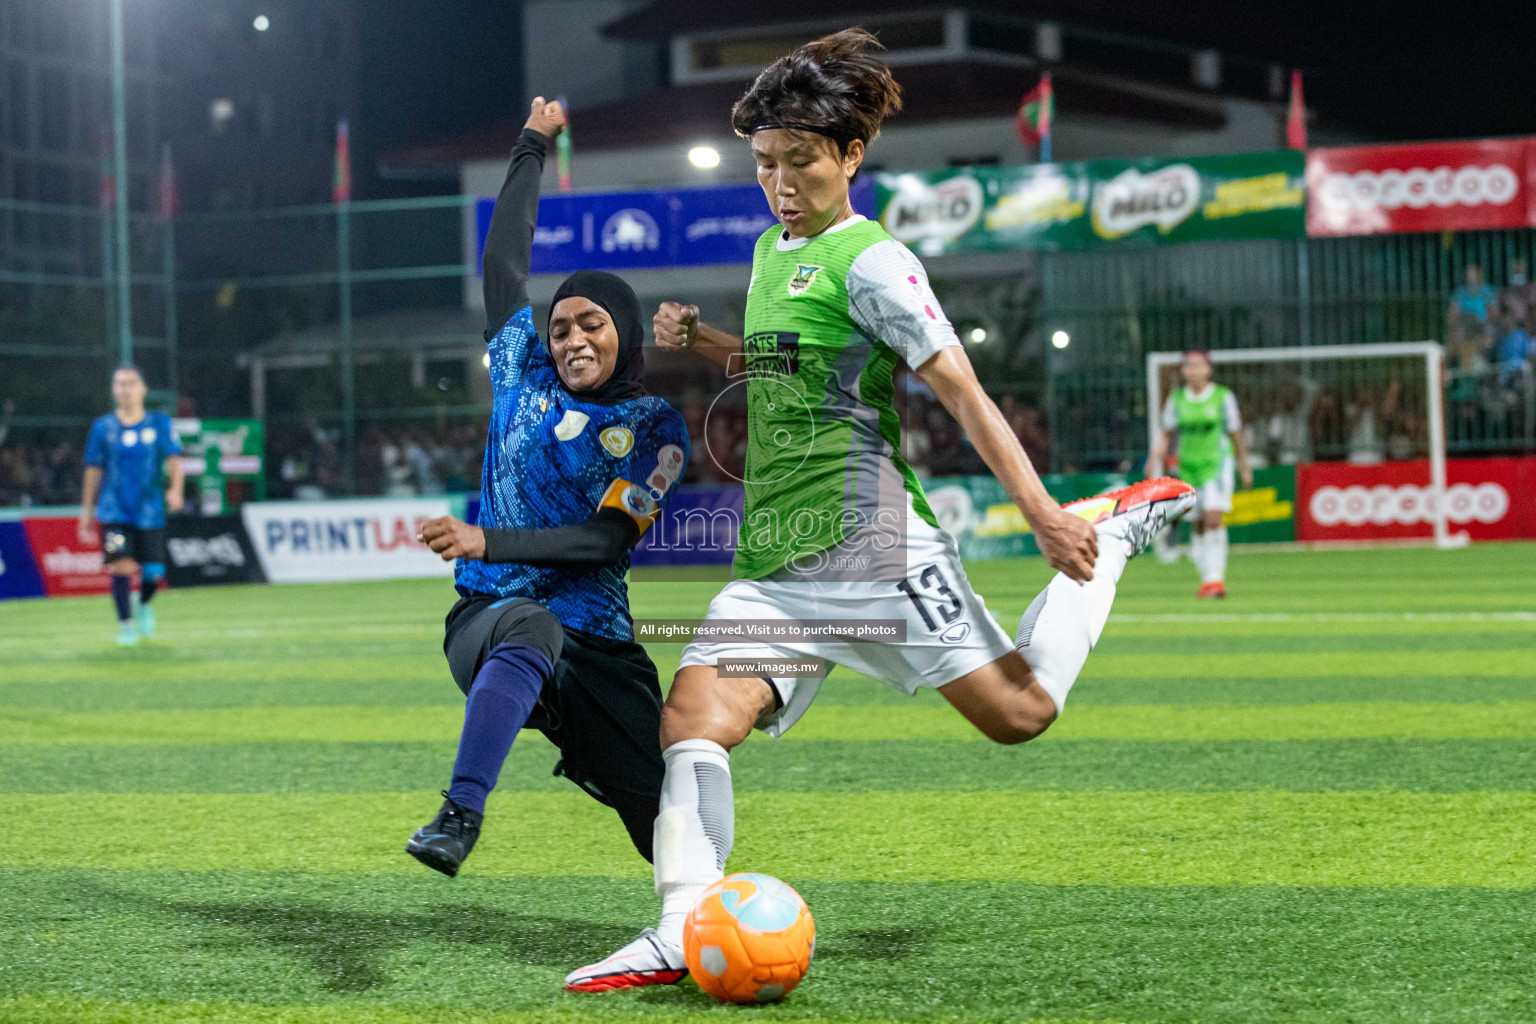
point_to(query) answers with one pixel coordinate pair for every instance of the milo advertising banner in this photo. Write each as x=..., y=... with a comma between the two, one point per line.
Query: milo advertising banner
x=1098, y=202
x=988, y=524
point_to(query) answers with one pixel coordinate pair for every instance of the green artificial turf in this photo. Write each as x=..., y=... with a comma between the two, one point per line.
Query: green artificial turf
x=1315, y=801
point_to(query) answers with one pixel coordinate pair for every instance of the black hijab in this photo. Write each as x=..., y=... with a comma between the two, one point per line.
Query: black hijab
x=619, y=299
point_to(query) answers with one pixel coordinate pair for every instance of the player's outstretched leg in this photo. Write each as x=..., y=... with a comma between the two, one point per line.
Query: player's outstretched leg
x=1018, y=696
x=504, y=693
x=697, y=824
x=1066, y=619
x=149, y=582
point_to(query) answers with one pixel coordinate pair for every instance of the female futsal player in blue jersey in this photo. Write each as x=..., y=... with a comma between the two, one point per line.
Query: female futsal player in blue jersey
x=578, y=463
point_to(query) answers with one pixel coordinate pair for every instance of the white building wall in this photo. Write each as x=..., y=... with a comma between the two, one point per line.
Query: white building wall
x=566, y=54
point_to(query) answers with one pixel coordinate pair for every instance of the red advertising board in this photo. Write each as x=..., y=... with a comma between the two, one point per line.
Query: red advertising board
x=1489, y=499
x=1432, y=186
x=68, y=566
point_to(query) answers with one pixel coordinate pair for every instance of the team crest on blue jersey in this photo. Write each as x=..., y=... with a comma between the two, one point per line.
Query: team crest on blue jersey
x=571, y=424
x=618, y=441
x=801, y=282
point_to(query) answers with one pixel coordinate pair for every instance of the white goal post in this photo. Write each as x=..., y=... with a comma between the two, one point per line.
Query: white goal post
x=1431, y=352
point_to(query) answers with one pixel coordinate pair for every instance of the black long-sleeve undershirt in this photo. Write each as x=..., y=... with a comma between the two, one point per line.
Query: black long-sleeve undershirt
x=602, y=539
x=509, y=239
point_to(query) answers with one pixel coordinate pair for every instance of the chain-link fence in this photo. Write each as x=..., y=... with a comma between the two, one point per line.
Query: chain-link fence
x=344, y=328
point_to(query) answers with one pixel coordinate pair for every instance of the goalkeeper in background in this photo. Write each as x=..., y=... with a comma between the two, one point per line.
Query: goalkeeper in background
x=1212, y=453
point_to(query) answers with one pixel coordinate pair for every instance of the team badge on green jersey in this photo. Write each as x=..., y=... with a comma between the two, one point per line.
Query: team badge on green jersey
x=801, y=283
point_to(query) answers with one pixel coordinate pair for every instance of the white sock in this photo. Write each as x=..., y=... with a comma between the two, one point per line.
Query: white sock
x=1199, y=551
x=1065, y=620
x=1215, y=568
x=694, y=831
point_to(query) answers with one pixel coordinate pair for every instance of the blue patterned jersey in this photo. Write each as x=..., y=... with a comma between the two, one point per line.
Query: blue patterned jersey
x=554, y=460
x=131, y=458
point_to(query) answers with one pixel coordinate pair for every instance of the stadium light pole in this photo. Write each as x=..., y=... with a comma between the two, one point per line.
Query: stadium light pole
x=120, y=170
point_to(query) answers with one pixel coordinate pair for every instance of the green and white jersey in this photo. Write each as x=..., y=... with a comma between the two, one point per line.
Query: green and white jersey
x=1204, y=423
x=827, y=320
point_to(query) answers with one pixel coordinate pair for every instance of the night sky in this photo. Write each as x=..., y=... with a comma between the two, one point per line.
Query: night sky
x=430, y=70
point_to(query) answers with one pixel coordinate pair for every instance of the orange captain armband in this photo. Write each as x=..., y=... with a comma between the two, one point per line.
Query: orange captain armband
x=634, y=501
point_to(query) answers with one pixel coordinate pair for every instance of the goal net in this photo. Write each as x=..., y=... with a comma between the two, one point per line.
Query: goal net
x=1362, y=404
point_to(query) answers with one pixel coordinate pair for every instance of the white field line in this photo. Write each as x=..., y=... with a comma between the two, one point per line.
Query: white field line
x=274, y=631
x=1512, y=616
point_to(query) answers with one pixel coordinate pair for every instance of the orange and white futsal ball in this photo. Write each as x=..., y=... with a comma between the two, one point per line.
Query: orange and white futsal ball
x=749, y=939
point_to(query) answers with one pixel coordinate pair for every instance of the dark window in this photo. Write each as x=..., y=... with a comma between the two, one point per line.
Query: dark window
x=330, y=39
x=19, y=131
x=141, y=135
x=53, y=187
x=756, y=50
x=50, y=25
x=54, y=113
x=1002, y=36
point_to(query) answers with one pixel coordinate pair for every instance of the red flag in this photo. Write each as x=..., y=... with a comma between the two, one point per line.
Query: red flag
x=1034, y=117
x=106, y=182
x=169, y=201
x=1296, y=117
x=341, y=181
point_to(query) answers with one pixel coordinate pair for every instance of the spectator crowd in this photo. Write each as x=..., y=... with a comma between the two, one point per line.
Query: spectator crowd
x=1491, y=347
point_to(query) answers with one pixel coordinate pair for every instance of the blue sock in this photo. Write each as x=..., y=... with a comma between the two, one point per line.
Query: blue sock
x=122, y=588
x=500, y=701
x=149, y=581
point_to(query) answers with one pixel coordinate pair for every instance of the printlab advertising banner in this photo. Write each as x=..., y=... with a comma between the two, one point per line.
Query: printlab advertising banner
x=206, y=550
x=1434, y=186
x=648, y=230
x=1489, y=499
x=337, y=541
x=1099, y=202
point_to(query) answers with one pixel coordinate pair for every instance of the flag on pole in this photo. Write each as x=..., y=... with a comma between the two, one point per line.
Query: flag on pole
x=1296, y=117
x=106, y=187
x=563, y=148
x=1035, y=115
x=169, y=200
x=341, y=182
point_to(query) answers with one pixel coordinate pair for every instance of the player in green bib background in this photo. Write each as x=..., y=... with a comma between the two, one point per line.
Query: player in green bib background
x=1211, y=452
x=836, y=528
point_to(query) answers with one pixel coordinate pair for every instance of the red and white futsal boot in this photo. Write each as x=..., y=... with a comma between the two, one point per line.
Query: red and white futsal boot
x=1135, y=515
x=646, y=961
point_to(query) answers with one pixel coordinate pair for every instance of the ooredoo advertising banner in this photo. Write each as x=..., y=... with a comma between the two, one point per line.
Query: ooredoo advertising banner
x=1489, y=499
x=337, y=541
x=68, y=566
x=1434, y=186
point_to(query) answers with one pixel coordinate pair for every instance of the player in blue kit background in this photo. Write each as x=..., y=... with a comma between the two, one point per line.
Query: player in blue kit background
x=133, y=476
x=579, y=461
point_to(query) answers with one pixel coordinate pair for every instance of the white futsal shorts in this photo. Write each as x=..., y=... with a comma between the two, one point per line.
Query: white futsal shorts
x=949, y=631
x=1215, y=495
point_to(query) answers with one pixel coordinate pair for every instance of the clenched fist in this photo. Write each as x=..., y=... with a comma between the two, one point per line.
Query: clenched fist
x=676, y=325
x=452, y=538
x=548, y=119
